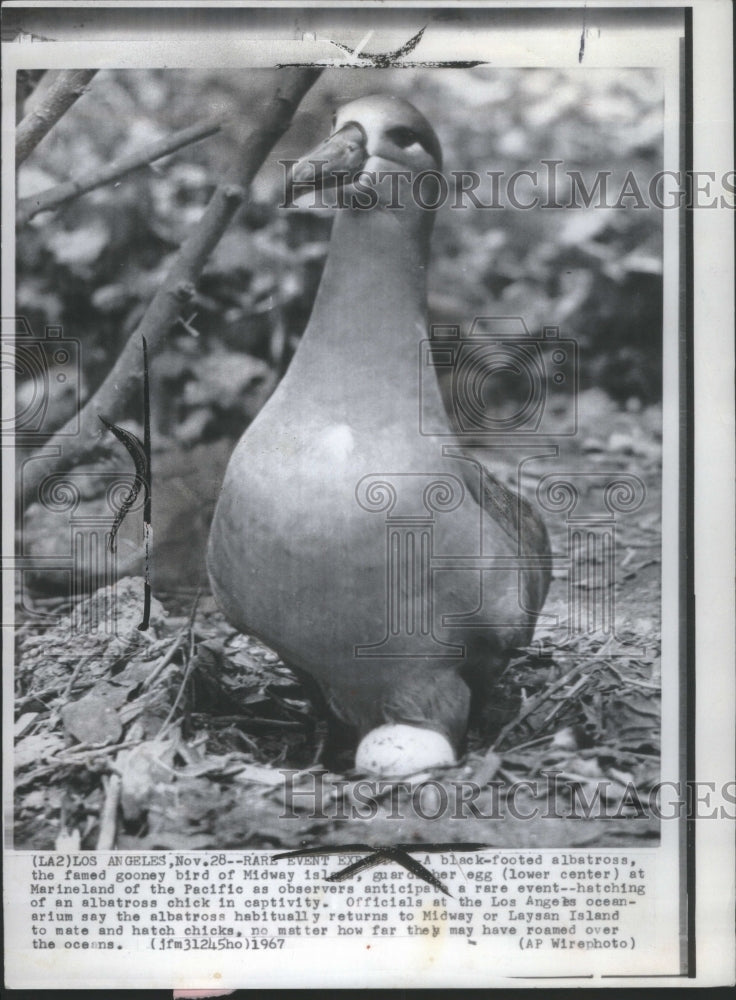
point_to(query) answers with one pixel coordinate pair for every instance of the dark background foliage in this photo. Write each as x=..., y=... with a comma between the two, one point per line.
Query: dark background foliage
x=595, y=273
x=93, y=267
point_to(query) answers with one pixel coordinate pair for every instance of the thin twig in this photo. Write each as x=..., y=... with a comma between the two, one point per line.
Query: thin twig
x=179, y=695
x=56, y=196
x=37, y=696
x=257, y=722
x=187, y=670
x=109, y=817
x=528, y=745
x=67, y=88
x=82, y=434
x=633, y=680
x=83, y=753
x=533, y=703
x=81, y=664
x=166, y=660
x=54, y=689
x=567, y=698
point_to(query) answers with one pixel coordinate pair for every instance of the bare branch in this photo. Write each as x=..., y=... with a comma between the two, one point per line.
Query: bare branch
x=109, y=817
x=126, y=375
x=63, y=92
x=56, y=196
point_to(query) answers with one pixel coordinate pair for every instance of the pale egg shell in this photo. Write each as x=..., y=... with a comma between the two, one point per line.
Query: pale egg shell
x=396, y=750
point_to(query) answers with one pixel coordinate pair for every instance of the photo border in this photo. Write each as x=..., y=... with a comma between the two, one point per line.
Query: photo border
x=690, y=710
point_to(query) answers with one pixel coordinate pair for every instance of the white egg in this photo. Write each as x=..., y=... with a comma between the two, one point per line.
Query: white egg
x=396, y=750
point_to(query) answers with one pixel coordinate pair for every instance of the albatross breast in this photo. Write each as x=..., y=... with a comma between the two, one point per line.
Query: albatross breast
x=387, y=608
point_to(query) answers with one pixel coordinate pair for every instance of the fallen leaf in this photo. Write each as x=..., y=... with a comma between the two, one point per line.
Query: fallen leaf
x=92, y=719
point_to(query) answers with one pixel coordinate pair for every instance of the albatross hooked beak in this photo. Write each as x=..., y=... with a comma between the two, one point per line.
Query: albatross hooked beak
x=334, y=163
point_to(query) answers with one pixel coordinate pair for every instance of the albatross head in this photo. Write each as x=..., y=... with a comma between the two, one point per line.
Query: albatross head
x=377, y=148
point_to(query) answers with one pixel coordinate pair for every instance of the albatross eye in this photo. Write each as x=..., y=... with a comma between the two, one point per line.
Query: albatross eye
x=402, y=136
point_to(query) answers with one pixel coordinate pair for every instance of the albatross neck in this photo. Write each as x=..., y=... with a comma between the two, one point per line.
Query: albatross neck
x=370, y=313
